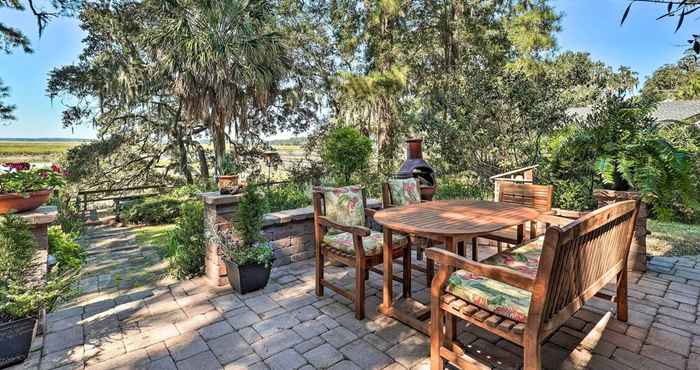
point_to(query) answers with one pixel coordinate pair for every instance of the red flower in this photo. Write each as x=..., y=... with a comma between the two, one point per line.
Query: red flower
x=18, y=166
x=56, y=168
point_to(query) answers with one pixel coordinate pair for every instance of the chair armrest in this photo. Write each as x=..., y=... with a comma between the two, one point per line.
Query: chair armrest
x=370, y=212
x=502, y=274
x=355, y=230
x=554, y=220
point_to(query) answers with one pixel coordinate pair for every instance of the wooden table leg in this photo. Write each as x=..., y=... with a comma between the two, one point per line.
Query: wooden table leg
x=388, y=272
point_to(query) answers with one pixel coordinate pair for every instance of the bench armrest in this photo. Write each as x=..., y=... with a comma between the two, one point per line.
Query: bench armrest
x=369, y=212
x=355, y=230
x=502, y=274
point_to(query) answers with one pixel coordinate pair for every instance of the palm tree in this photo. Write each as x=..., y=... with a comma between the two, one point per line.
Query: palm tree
x=226, y=58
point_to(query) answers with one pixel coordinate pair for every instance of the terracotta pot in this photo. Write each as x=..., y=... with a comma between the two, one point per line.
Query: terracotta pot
x=13, y=202
x=228, y=184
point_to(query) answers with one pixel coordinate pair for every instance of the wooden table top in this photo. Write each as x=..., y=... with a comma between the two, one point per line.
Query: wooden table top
x=455, y=217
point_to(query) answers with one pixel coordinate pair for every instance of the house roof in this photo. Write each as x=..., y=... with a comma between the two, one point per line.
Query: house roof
x=676, y=110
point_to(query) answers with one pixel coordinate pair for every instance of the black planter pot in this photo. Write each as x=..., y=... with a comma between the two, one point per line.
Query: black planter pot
x=16, y=340
x=247, y=278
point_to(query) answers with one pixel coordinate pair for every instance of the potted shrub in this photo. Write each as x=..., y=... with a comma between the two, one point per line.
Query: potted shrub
x=246, y=253
x=228, y=177
x=24, y=294
x=23, y=187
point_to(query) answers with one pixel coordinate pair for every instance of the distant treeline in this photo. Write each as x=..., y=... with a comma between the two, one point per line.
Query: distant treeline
x=46, y=139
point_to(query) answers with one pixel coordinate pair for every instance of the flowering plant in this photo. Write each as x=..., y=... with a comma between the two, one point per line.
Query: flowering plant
x=24, y=178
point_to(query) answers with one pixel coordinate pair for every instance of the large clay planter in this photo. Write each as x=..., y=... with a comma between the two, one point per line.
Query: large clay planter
x=16, y=340
x=638, y=250
x=13, y=202
x=228, y=184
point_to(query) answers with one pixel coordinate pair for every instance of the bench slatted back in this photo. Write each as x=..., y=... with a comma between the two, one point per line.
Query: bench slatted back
x=588, y=253
x=530, y=195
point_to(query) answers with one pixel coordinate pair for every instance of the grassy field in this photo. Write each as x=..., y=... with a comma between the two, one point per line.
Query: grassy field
x=34, y=151
x=673, y=239
x=153, y=235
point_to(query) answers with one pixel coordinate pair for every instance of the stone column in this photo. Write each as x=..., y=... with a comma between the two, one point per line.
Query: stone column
x=39, y=221
x=638, y=250
x=218, y=209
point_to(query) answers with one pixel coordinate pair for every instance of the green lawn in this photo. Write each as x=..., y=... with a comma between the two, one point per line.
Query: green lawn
x=153, y=235
x=673, y=239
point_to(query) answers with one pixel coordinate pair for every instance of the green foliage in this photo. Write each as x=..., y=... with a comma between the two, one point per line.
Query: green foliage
x=229, y=166
x=287, y=196
x=457, y=188
x=619, y=146
x=346, y=151
x=185, y=249
x=249, y=218
x=247, y=245
x=162, y=209
x=21, y=293
x=17, y=247
x=69, y=254
x=70, y=216
x=679, y=81
x=21, y=178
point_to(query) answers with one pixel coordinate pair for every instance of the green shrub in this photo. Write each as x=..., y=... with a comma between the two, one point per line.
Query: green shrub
x=456, y=189
x=346, y=151
x=68, y=253
x=21, y=294
x=288, y=196
x=185, y=249
x=162, y=209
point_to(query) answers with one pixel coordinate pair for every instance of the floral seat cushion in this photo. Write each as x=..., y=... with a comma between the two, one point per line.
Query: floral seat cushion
x=344, y=206
x=404, y=191
x=372, y=244
x=495, y=296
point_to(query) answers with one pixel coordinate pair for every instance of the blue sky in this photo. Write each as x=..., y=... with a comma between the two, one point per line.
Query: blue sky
x=588, y=25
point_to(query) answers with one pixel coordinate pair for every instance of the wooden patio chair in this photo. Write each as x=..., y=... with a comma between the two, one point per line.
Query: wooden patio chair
x=401, y=192
x=526, y=293
x=341, y=235
x=530, y=195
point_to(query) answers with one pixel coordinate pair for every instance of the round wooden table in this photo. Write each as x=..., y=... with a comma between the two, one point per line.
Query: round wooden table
x=449, y=221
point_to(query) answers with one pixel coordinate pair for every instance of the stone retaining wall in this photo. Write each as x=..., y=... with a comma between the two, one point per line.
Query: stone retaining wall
x=290, y=232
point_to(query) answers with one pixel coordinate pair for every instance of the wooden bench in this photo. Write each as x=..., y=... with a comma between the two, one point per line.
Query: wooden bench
x=576, y=261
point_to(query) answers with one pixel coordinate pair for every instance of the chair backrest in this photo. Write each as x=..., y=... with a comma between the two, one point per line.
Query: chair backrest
x=399, y=192
x=579, y=259
x=341, y=205
x=529, y=195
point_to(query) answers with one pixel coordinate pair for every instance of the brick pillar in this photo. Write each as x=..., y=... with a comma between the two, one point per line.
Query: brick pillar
x=218, y=209
x=39, y=220
x=638, y=250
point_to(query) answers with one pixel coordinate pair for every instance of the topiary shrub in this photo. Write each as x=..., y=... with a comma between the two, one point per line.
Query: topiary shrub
x=346, y=151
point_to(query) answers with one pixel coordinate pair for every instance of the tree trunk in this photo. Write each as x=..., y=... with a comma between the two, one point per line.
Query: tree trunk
x=203, y=165
x=182, y=154
x=218, y=135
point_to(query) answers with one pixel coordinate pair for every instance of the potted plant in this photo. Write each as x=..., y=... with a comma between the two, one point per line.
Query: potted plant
x=228, y=177
x=24, y=294
x=24, y=187
x=246, y=253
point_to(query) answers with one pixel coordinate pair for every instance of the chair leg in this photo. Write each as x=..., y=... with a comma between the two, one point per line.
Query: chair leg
x=419, y=249
x=499, y=246
x=360, y=272
x=450, y=329
x=406, y=259
x=319, y=273
x=475, y=249
x=436, y=339
x=367, y=274
x=621, y=295
x=460, y=249
x=533, y=356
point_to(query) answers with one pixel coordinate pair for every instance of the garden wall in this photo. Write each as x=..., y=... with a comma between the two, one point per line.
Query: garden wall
x=290, y=232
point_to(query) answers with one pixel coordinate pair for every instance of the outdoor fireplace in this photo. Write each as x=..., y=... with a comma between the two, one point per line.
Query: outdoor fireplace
x=416, y=167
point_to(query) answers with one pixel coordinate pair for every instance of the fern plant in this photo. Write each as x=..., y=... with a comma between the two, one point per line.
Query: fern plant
x=620, y=146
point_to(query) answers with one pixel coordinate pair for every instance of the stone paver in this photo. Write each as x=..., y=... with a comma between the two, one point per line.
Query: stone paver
x=130, y=316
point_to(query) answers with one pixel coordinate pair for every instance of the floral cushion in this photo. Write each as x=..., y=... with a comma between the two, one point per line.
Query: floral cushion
x=344, y=206
x=500, y=298
x=404, y=191
x=372, y=244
